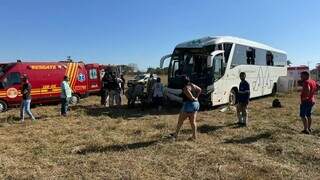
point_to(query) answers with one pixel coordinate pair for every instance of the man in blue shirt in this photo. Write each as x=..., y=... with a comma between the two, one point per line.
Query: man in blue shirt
x=243, y=97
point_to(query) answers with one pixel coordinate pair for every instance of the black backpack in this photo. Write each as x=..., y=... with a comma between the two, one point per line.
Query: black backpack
x=276, y=103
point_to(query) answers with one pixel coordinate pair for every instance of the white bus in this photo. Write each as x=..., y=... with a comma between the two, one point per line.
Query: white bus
x=214, y=64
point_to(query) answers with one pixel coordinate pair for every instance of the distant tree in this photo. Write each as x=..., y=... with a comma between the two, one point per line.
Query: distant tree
x=133, y=66
x=157, y=70
x=289, y=62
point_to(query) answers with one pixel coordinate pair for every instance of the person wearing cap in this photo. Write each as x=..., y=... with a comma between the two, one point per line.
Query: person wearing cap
x=26, y=99
x=66, y=94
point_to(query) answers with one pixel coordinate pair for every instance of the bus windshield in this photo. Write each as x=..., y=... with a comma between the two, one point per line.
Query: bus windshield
x=191, y=62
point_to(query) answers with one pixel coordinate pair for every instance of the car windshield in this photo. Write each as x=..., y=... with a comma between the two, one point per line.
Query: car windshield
x=138, y=77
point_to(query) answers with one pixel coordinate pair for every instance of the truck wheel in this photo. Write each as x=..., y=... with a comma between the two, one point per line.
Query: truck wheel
x=3, y=106
x=74, y=100
x=233, y=97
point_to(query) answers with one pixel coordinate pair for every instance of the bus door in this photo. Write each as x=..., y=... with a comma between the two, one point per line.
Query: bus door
x=216, y=62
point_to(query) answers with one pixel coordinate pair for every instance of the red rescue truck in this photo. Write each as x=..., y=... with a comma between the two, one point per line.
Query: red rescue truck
x=46, y=78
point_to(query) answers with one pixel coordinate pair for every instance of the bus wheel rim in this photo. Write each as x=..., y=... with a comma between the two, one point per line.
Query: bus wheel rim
x=1, y=107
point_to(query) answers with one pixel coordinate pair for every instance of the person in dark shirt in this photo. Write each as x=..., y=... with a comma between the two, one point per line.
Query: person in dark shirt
x=114, y=91
x=104, y=90
x=190, y=107
x=123, y=82
x=243, y=97
x=26, y=99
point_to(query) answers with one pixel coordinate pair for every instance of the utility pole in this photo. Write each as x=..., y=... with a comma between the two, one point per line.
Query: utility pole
x=308, y=62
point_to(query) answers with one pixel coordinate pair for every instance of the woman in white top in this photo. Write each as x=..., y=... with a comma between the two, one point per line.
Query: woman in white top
x=157, y=97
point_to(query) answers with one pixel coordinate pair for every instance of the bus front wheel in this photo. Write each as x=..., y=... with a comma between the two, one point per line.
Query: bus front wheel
x=233, y=97
x=3, y=106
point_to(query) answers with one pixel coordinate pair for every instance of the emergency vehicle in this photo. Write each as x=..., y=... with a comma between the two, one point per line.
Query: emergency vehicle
x=95, y=74
x=45, y=79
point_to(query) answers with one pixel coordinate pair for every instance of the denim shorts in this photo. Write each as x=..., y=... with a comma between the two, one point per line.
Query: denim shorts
x=305, y=109
x=190, y=106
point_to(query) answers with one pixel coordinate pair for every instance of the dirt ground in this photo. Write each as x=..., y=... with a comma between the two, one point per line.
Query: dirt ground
x=95, y=142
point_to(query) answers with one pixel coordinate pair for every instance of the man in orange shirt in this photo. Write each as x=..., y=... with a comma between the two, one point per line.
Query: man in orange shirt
x=309, y=89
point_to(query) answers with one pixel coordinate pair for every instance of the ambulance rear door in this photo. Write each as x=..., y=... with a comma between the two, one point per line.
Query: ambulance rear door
x=94, y=80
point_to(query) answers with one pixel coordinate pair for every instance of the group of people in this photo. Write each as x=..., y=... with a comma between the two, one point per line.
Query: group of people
x=154, y=94
x=113, y=86
x=191, y=93
x=66, y=94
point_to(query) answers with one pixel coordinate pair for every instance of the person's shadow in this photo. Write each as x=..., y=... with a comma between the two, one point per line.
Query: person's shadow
x=88, y=149
x=123, y=111
x=250, y=139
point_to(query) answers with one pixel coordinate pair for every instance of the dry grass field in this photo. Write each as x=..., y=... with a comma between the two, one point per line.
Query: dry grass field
x=102, y=143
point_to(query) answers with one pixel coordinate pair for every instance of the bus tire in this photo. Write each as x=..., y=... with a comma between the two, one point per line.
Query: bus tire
x=233, y=96
x=274, y=89
x=74, y=100
x=3, y=106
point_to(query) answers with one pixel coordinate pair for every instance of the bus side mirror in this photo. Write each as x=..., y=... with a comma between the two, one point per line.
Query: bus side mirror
x=212, y=56
x=209, y=61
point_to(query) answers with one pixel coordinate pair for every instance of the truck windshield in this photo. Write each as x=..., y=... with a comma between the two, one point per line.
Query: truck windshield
x=4, y=68
x=10, y=79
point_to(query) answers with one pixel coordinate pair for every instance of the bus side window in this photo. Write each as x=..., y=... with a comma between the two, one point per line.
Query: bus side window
x=239, y=57
x=269, y=59
x=227, y=49
x=251, y=55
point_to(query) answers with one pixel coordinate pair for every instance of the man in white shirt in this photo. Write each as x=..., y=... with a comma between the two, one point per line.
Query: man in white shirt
x=66, y=94
x=157, y=97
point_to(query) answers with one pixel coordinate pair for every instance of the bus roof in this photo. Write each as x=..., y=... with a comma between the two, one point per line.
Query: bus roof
x=202, y=42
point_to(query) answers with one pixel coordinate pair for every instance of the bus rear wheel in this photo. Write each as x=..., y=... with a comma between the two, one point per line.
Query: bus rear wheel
x=3, y=106
x=233, y=97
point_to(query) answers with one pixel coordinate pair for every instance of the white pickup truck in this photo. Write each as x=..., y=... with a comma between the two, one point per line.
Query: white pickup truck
x=140, y=78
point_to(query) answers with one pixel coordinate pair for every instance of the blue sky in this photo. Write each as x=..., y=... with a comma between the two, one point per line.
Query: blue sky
x=142, y=31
